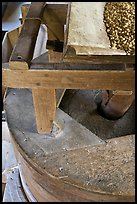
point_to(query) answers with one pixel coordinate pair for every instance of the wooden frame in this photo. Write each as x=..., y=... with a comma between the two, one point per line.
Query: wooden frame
x=44, y=78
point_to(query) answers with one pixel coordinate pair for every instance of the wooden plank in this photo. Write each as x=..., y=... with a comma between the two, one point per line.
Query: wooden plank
x=87, y=50
x=56, y=57
x=83, y=162
x=36, y=189
x=55, y=8
x=49, y=95
x=42, y=62
x=85, y=25
x=24, y=11
x=45, y=106
x=86, y=38
x=108, y=169
x=54, y=17
x=36, y=10
x=70, y=56
x=14, y=35
x=125, y=93
x=26, y=189
x=86, y=30
x=52, y=11
x=73, y=183
x=24, y=49
x=70, y=79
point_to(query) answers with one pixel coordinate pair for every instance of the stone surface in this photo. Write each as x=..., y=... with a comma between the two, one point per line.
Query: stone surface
x=82, y=105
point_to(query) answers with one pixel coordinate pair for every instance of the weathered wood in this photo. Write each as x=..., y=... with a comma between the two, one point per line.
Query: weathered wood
x=8, y=44
x=55, y=8
x=24, y=49
x=36, y=95
x=14, y=35
x=4, y=90
x=24, y=11
x=26, y=189
x=36, y=10
x=104, y=80
x=75, y=149
x=54, y=17
x=42, y=62
x=86, y=37
x=129, y=93
x=44, y=111
x=66, y=185
x=56, y=57
x=85, y=29
x=45, y=106
x=50, y=111
x=85, y=50
x=70, y=56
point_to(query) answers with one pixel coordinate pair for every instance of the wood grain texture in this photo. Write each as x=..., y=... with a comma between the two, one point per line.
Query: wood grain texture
x=72, y=185
x=25, y=46
x=54, y=17
x=82, y=171
x=64, y=79
x=85, y=26
x=26, y=189
x=86, y=37
x=70, y=56
x=13, y=35
x=45, y=106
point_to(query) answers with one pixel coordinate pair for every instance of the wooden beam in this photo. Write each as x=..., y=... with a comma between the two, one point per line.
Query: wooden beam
x=69, y=79
x=42, y=62
x=70, y=56
x=45, y=107
x=57, y=9
x=24, y=49
x=54, y=17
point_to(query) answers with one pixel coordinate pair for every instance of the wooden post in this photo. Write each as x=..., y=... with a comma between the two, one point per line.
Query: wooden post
x=45, y=108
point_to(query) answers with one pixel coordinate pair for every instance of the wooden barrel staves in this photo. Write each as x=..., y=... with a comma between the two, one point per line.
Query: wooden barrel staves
x=70, y=163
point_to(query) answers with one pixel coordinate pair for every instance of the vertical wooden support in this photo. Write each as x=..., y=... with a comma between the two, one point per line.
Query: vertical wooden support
x=45, y=108
x=45, y=100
